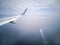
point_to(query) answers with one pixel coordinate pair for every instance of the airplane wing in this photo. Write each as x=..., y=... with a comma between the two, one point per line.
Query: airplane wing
x=11, y=19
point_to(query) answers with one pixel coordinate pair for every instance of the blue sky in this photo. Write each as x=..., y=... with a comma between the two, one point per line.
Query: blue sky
x=14, y=7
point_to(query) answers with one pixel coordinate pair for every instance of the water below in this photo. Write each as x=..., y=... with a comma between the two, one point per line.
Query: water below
x=26, y=31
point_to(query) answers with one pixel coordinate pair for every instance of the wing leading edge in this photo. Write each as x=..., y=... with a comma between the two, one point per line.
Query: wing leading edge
x=11, y=19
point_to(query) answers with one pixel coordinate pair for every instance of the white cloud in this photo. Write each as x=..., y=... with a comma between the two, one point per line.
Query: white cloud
x=30, y=3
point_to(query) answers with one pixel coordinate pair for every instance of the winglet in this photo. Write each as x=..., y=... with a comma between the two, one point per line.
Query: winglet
x=24, y=11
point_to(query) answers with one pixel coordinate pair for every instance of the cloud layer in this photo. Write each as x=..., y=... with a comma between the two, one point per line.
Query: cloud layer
x=30, y=3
